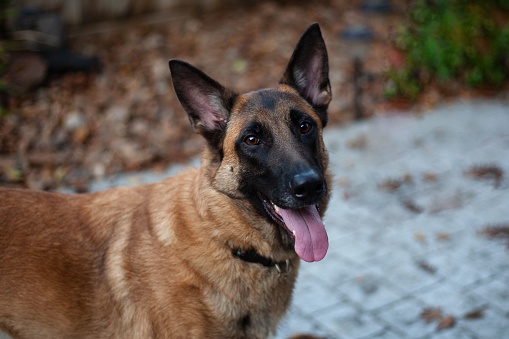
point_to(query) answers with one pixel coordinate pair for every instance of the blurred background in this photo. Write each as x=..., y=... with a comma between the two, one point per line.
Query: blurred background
x=85, y=88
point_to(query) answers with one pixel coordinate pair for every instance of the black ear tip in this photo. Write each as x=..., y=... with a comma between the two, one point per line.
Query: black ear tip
x=314, y=25
x=181, y=66
x=174, y=63
x=312, y=33
x=314, y=28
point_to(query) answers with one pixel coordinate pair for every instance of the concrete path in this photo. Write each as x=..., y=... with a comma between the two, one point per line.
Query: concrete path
x=408, y=257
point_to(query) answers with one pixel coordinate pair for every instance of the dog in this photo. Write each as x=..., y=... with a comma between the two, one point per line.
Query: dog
x=209, y=253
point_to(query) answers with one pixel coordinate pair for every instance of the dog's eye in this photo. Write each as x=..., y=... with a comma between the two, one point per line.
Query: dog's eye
x=252, y=140
x=305, y=127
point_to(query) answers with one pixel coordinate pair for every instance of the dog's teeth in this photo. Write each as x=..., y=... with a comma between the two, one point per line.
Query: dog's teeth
x=294, y=233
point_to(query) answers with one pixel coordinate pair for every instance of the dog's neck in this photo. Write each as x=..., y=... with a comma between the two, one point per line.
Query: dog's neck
x=205, y=181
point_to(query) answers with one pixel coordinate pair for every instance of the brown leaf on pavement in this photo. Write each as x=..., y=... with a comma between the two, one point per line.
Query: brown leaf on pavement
x=475, y=313
x=486, y=172
x=446, y=322
x=430, y=315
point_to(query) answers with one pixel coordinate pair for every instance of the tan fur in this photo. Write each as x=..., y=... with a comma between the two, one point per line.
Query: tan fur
x=151, y=261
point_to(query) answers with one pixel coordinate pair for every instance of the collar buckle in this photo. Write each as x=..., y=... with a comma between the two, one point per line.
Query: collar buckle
x=285, y=270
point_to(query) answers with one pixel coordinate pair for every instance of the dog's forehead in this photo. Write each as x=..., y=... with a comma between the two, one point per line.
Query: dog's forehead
x=270, y=104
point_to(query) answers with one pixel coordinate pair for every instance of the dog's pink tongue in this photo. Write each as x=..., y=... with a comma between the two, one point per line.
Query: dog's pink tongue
x=311, y=241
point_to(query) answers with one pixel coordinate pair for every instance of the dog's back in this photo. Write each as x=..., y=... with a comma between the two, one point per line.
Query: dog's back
x=93, y=265
x=74, y=265
x=52, y=262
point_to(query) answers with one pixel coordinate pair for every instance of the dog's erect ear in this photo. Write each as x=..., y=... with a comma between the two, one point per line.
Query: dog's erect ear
x=207, y=102
x=308, y=71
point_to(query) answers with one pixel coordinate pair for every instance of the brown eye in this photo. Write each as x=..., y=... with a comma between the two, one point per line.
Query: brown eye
x=305, y=127
x=251, y=140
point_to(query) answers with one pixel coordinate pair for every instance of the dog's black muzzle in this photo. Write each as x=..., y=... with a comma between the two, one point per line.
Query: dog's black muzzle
x=308, y=187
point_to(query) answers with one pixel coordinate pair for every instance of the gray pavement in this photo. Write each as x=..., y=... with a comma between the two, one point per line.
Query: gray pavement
x=405, y=226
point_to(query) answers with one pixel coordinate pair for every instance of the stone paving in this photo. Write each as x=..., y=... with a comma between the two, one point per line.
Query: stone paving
x=407, y=256
x=405, y=228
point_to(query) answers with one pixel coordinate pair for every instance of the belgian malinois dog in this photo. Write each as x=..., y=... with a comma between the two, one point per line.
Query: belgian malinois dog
x=210, y=253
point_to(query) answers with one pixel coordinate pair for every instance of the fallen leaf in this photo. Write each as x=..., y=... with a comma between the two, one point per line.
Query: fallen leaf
x=419, y=236
x=393, y=184
x=14, y=174
x=239, y=66
x=496, y=231
x=446, y=322
x=412, y=206
x=426, y=267
x=443, y=236
x=486, y=172
x=475, y=313
x=430, y=176
x=390, y=185
x=430, y=315
x=305, y=336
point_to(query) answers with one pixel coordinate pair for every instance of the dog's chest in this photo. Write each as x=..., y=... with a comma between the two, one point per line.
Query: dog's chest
x=252, y=308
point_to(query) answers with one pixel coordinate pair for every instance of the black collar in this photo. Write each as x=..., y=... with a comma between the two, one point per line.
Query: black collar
x=254, y=257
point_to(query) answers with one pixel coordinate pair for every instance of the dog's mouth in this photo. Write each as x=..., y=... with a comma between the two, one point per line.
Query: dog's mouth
x=304, y=226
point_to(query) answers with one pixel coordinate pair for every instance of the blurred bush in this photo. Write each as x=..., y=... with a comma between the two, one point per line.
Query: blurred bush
x=445, y=40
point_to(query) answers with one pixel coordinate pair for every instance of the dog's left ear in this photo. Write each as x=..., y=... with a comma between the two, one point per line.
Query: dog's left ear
x=207, y=103
x=308, y=71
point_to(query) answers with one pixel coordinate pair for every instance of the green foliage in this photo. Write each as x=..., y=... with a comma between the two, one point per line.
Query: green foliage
x=402, y=82
x=456, y=39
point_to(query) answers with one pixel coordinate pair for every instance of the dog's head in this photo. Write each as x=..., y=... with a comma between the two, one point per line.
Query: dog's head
x=265, y=147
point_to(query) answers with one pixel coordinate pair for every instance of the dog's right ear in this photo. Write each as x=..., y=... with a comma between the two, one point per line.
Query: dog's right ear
x=207, y=102
x=308, y=71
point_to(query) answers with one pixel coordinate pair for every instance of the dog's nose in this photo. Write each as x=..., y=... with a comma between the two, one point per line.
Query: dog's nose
x=307, y=185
